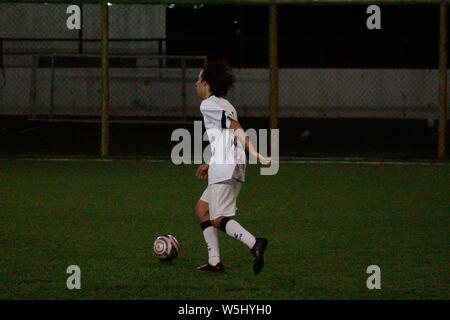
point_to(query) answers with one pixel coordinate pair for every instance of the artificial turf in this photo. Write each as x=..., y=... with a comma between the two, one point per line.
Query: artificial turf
x=326, y=223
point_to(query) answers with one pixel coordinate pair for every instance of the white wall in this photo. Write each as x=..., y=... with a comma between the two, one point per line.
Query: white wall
x=322, y=93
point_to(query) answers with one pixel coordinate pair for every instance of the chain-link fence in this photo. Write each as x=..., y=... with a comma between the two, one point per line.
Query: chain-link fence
x=61, y=67
x=339, y=67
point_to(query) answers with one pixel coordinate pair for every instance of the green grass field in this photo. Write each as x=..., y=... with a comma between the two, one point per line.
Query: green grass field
x=326, y=223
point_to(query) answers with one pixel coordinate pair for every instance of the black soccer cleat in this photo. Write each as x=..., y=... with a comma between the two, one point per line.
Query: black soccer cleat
x=208, y=267
x=258, y=252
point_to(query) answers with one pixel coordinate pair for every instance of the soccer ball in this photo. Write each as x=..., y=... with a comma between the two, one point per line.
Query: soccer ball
x=166, y=247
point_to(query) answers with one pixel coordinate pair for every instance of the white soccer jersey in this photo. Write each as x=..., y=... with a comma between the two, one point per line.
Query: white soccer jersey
x=227, y=155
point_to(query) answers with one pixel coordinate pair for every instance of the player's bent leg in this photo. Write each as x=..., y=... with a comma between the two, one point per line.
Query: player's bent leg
x=202, y=210
x=216, y=222
x=257, y=245
x=234, y=229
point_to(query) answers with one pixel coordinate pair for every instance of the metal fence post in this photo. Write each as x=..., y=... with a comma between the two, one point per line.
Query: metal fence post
x=105, y=80
x=442, y=81
x=33, y=110
x=183, y=88
x=52, y=85
x=273, y=61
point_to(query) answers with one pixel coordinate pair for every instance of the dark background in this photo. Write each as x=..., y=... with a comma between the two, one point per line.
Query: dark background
x=310, y=36
x=369, y=138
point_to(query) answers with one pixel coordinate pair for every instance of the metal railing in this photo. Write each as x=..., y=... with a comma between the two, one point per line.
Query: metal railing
x=31, y=62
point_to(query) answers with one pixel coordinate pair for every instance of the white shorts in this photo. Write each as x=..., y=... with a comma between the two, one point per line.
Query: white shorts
x=221, y=198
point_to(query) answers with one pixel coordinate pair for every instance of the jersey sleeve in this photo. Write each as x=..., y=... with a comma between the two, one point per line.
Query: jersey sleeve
x=219, y=117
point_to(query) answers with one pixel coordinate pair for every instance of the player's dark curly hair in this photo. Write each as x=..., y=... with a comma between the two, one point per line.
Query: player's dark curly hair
x=220, y=77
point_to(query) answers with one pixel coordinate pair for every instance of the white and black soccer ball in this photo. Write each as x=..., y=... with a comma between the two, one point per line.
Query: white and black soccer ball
x=166, y=247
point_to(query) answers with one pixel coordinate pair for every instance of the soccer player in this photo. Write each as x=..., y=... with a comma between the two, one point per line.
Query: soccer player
x=226, y=168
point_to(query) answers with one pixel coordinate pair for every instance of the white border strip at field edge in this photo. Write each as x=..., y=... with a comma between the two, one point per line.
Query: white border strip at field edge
x=369, y=162
x=292, y=160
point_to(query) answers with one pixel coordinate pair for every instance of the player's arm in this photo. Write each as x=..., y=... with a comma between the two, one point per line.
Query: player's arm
x=245, y=141
x=202, y=171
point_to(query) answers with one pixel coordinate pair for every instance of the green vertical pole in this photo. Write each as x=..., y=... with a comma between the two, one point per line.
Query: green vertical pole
x=80, y=32
x=105, y=81
x=273, y=65
x=442, y=81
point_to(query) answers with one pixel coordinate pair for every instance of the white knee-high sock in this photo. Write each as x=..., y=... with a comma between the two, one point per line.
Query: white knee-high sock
x=234, y=229
x=212, y=242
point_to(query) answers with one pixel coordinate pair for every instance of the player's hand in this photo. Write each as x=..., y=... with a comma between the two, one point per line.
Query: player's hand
x=202, y=171
x=265, y=162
